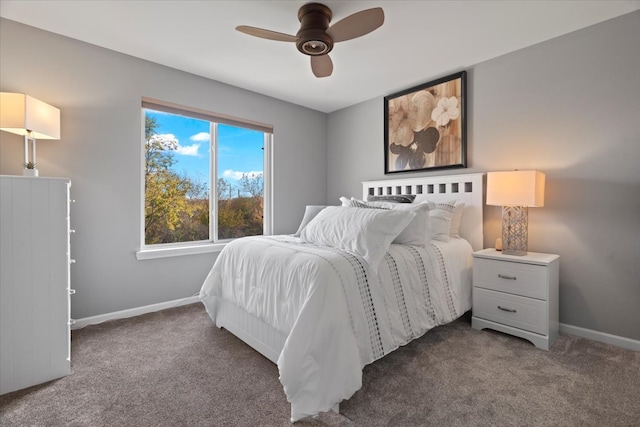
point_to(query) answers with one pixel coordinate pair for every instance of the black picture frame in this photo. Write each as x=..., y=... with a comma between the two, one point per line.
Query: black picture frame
x=425, y=126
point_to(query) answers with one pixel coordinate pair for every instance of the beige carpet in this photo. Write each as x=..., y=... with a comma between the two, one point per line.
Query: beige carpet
x=175, y=368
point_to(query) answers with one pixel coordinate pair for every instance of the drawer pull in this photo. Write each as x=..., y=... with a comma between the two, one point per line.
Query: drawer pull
x=504, y=276
x=510, y=310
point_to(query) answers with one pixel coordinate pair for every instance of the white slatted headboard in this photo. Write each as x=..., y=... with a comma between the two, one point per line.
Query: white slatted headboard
x=468, y=188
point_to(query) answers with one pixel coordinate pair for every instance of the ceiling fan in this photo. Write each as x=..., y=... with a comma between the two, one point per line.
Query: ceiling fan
x=316, y=38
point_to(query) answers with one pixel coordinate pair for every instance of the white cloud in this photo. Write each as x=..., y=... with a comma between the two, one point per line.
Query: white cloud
x=185, y=150
x=164, y=139
x=164, y=136
x=231, y=174
x=188, y=150
x=202, y=136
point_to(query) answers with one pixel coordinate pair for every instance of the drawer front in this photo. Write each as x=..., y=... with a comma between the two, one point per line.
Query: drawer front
x=520, y=312
x=526, y=280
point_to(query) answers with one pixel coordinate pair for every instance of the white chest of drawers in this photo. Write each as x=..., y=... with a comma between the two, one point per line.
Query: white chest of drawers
x=517, y=295
x=35, y=306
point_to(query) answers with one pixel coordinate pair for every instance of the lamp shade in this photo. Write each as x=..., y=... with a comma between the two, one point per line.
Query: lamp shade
x=515, y=188
x=21, y=114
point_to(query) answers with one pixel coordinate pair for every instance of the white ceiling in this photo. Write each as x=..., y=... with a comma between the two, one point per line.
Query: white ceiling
x=419, y=41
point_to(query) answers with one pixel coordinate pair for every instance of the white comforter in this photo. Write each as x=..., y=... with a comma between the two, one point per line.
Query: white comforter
x=338, y=315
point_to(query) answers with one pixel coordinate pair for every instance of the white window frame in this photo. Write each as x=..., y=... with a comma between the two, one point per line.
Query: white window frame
x=164, y=250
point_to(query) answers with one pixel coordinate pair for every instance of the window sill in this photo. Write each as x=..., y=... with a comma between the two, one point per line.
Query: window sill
x=173, y=251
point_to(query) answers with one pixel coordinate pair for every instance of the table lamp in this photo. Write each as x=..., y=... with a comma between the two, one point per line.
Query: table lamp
x=23, y=115
x=515, y=191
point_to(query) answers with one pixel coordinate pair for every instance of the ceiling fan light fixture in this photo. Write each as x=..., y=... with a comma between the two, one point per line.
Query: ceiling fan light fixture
x=315, y=47
x=312, y=36
x=316, y=38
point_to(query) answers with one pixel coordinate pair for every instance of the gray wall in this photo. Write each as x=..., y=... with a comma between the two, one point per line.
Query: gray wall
x=569, y=107
x=99, y=92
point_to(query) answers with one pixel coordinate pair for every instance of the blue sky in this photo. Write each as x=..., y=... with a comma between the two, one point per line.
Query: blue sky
x=239, y=150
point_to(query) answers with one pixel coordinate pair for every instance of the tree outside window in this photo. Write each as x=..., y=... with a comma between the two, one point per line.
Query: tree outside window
x=183, y=155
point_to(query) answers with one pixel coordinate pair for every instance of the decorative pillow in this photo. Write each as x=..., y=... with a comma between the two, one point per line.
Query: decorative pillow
x=398, y=198
x=456, y=219
x=310, y=212
x=441, y=221
x=365, y=232
x=355, y=203
x=417, y=232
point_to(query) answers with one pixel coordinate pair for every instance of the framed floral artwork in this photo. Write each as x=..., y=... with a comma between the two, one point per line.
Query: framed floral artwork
x=425, y=128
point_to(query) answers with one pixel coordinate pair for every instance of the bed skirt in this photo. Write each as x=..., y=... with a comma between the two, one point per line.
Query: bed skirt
x=253, y=331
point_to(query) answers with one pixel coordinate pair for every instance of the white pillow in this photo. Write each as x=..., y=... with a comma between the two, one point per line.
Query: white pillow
x=441, y=221
x=417, y=232
x=345, y=201
x=364, y=232
x=456, y=219
x=309, y=213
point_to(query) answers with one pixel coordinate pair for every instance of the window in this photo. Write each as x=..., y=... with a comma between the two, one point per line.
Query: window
x=205, y=179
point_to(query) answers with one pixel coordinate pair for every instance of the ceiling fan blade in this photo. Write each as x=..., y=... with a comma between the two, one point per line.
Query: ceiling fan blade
x=266, y=34
x=321, y=65
x=356, y=25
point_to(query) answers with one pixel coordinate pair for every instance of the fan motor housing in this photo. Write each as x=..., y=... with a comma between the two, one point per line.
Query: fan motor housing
x=312, y=37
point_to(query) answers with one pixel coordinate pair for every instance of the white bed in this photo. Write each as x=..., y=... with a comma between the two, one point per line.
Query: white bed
x=309, y=372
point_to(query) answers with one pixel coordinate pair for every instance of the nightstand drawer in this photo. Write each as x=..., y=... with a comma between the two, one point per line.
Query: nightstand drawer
x=515, y=278
x=520, y=312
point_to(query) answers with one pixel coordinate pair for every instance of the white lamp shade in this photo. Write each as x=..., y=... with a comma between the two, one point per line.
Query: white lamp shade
x=515, y=188
x=21, y=114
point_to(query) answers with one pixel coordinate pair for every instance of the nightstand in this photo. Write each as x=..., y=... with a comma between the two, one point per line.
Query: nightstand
x=517, y=295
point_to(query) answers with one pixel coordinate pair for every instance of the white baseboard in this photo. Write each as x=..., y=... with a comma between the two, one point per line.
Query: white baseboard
x=603, y=337
x=137, y=311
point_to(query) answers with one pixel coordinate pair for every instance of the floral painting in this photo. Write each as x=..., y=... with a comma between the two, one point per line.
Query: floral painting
x=425, y=126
